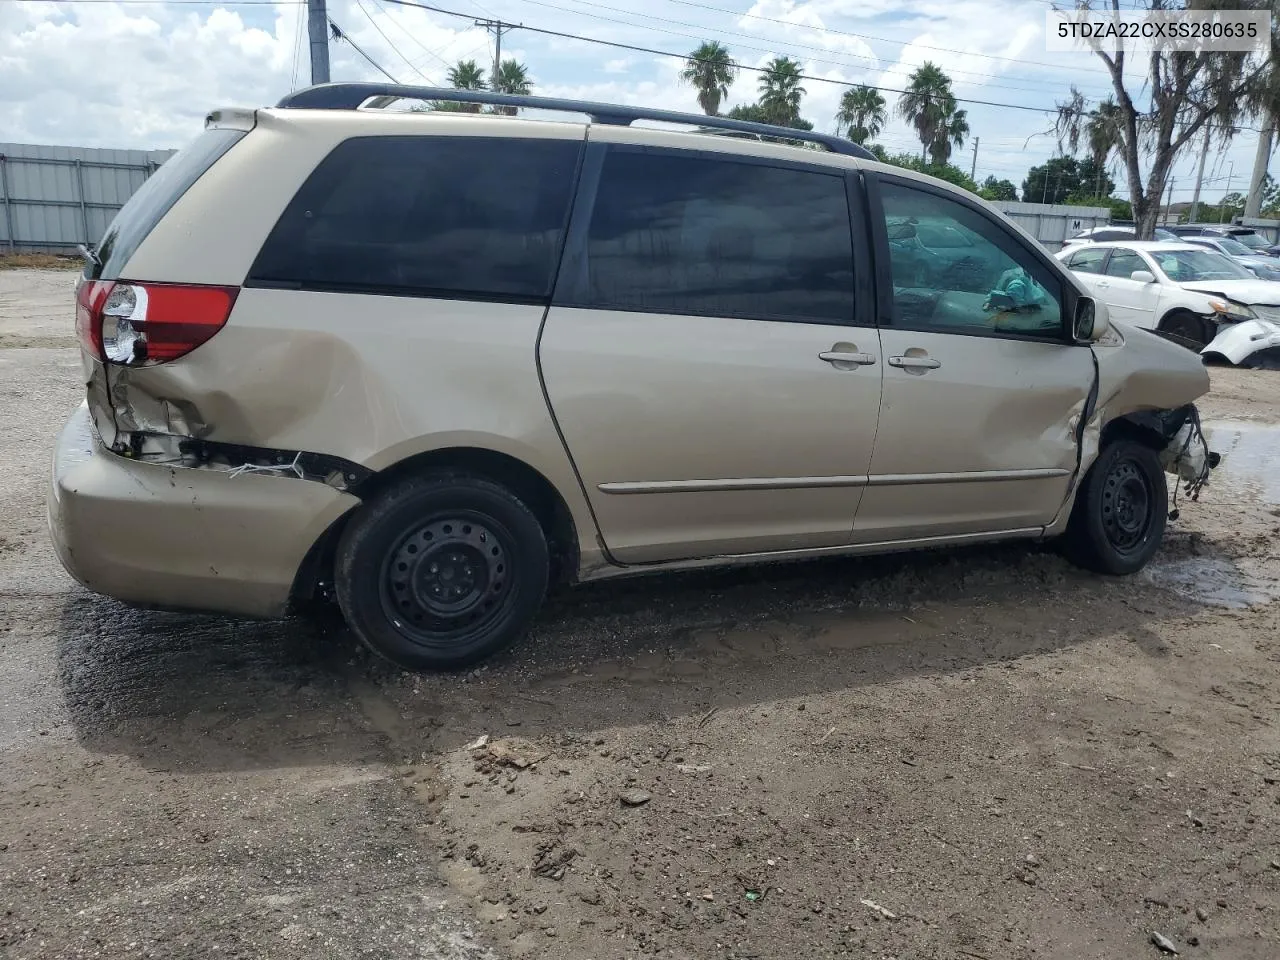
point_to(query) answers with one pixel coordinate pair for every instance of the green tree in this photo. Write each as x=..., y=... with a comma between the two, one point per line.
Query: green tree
x=464, y=75
x=710, y=70
x=862, y=114
x=1052, y=182
x=1102, y=130
x=943, y=171
x=927, y=104
x=951, y=134
x=757, y=114
x=781, y=91
x=993, y=189
x=513, y=78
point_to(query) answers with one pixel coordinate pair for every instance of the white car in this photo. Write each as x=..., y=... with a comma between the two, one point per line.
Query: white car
x=1104, y=234
x=1194, y=296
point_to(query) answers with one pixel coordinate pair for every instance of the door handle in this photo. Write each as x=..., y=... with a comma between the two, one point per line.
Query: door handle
x=915, y=363
x=837, y=356
x=1102, y=283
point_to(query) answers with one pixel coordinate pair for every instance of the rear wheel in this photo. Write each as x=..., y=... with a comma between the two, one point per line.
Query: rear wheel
x=1119, y=517
x=1185, y=328
x=442, y=570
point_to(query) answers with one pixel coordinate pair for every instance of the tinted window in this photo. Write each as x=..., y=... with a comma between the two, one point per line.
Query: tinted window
x=139, y=216
x=1103, y=235
x=684, y=234
x=1124, y=262
x=446, y=216
x=994, y=284
x=1089, y=260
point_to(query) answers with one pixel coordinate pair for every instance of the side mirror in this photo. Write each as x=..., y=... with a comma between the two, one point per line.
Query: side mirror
x=1090, y=322
x=1143, y=276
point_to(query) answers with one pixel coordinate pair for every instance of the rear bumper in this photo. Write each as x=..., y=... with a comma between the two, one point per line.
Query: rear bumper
x=181, y=537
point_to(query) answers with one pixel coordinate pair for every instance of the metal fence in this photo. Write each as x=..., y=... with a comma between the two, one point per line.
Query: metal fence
x=1051, y=223
x=53, y=198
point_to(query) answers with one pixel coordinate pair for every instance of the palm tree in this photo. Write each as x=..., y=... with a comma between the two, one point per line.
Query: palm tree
x=710, y=70
x=927, y=103
x=466, y=75
x=780, y=91
x=861, y=115
x=513, y=78
x=951, y=133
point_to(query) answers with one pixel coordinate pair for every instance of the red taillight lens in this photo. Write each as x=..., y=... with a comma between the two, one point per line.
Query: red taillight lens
x=90, y=297
x=146, y=323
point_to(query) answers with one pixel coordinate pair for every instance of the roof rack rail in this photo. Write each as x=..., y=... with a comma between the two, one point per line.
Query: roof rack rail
x=350, y=96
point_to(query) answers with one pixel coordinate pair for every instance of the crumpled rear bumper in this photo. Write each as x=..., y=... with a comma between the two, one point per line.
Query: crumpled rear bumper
x=1237, y=342
x=181, y=537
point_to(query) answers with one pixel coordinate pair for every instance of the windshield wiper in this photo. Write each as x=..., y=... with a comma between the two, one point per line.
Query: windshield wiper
x=89, y=254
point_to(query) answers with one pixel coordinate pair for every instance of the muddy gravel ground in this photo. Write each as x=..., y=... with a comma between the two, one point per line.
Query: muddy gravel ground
x=985, y=754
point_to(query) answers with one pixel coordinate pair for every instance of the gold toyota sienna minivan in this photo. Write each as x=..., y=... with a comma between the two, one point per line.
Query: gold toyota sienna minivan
x=431, y=363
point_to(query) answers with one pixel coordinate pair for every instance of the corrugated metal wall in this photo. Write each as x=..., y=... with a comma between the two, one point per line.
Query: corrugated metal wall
x=1051, y=223
x=53, y=198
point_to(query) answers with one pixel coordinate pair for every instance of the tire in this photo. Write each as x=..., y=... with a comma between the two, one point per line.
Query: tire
x=1186, y=329
x=441, y=570
x=1118, y=521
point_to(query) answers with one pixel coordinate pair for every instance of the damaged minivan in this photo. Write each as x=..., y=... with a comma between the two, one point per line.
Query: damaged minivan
x=432, y=363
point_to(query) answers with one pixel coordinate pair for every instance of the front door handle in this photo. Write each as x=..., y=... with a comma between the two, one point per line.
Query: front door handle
x=915, y=363
x=837, y=356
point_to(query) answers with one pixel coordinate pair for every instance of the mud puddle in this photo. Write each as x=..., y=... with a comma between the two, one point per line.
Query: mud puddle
x=1250, y=467
x=1249, y=475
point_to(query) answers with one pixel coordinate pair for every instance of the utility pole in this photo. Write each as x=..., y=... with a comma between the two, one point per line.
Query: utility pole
x=497, y=28
x=973, y=170
x=1195, y=196
x=1168, y=207
x=1253, y=202
x=318, y=32
x=1222, y=210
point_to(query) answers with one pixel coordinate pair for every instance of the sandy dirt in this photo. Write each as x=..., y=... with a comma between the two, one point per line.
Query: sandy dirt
x=981, y=754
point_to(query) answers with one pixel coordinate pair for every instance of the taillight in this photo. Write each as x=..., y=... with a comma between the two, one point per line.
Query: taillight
x=147, y=323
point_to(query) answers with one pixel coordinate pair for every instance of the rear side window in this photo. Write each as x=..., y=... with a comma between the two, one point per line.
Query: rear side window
x=1089, y=260
x=463, y=217
x=677, y=233
x=1125, y=262
x=156, y=197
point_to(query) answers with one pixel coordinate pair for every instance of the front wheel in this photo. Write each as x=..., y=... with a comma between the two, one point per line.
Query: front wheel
x=441, y=570
x=1187, y=329
x=1119, y=517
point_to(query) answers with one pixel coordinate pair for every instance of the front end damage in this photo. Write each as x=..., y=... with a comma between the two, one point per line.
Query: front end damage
x=1249, y=343
x=1147, y=388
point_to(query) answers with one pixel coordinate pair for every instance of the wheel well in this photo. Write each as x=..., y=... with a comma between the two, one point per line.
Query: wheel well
x=535, y=490
x=1146, y=428
x=1176, y=311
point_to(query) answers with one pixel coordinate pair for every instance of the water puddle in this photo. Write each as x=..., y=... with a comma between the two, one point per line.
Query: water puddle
x=1250, y=467
x=1215, y=581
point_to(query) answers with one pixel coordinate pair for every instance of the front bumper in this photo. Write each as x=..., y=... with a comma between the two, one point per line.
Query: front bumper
x=1238, y=341
x=182, y=537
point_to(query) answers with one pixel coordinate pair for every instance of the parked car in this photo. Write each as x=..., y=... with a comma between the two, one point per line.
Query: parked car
x=1105, y=234
x=1198, y=297
x=1246, y=236
x=433, y=363
x=1262, y=267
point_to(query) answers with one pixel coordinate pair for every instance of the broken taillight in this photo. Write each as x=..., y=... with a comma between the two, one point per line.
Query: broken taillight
x=137, y=324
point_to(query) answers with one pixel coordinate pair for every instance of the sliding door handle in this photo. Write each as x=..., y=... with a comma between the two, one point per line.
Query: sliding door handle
x=915, y=363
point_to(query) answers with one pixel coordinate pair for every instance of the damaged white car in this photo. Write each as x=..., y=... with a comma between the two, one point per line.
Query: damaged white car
x=1197, y=297
x=429, y=364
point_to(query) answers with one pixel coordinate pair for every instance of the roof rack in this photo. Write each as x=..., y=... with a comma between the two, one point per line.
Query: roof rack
x=350, y=96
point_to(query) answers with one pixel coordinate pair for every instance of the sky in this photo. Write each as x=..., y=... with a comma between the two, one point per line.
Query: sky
x=144, y=74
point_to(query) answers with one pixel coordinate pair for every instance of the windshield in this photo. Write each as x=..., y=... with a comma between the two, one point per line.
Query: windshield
x=1188, y=266
x=1253, y=241
x=1161, y=234
x=1234, y=248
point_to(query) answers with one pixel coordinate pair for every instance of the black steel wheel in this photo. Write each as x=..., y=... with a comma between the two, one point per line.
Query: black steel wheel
x=1118, y=521
x=1186, y=329
x=441, y=571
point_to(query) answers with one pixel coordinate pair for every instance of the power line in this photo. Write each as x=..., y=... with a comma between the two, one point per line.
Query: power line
x=874, y=61
x=409, y=33
x=787, y=42
x=369, y=17
x=339, y=34
x=866, y=36
x=682, y=57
